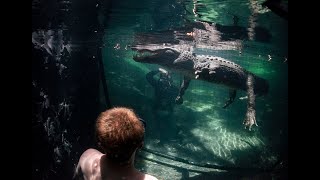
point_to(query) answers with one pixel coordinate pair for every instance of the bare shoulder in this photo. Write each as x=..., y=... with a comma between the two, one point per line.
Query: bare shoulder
x=149, y=177
x=89, y=157
x=88, y=163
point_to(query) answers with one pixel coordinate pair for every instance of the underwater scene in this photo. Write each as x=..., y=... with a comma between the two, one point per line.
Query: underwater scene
x=208, y=77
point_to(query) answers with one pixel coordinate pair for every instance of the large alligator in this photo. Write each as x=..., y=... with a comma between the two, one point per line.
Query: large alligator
x=179, y=57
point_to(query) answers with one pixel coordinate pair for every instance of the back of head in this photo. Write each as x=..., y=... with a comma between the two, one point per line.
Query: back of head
x=119, y=133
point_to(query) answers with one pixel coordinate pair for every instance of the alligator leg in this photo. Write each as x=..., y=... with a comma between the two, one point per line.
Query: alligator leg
x=251, y=111
x=183, y=87
x=232, y=96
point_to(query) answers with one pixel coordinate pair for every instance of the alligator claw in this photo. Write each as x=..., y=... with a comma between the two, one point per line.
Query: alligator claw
x=250, y=119
x=197, y=72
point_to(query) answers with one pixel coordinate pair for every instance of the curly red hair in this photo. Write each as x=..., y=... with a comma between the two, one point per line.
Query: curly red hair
x=119, y=133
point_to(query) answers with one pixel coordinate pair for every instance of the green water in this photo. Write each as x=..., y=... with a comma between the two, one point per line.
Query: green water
x=200, y=130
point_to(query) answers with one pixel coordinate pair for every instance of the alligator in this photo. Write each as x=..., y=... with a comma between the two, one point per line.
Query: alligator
x=180, y=58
